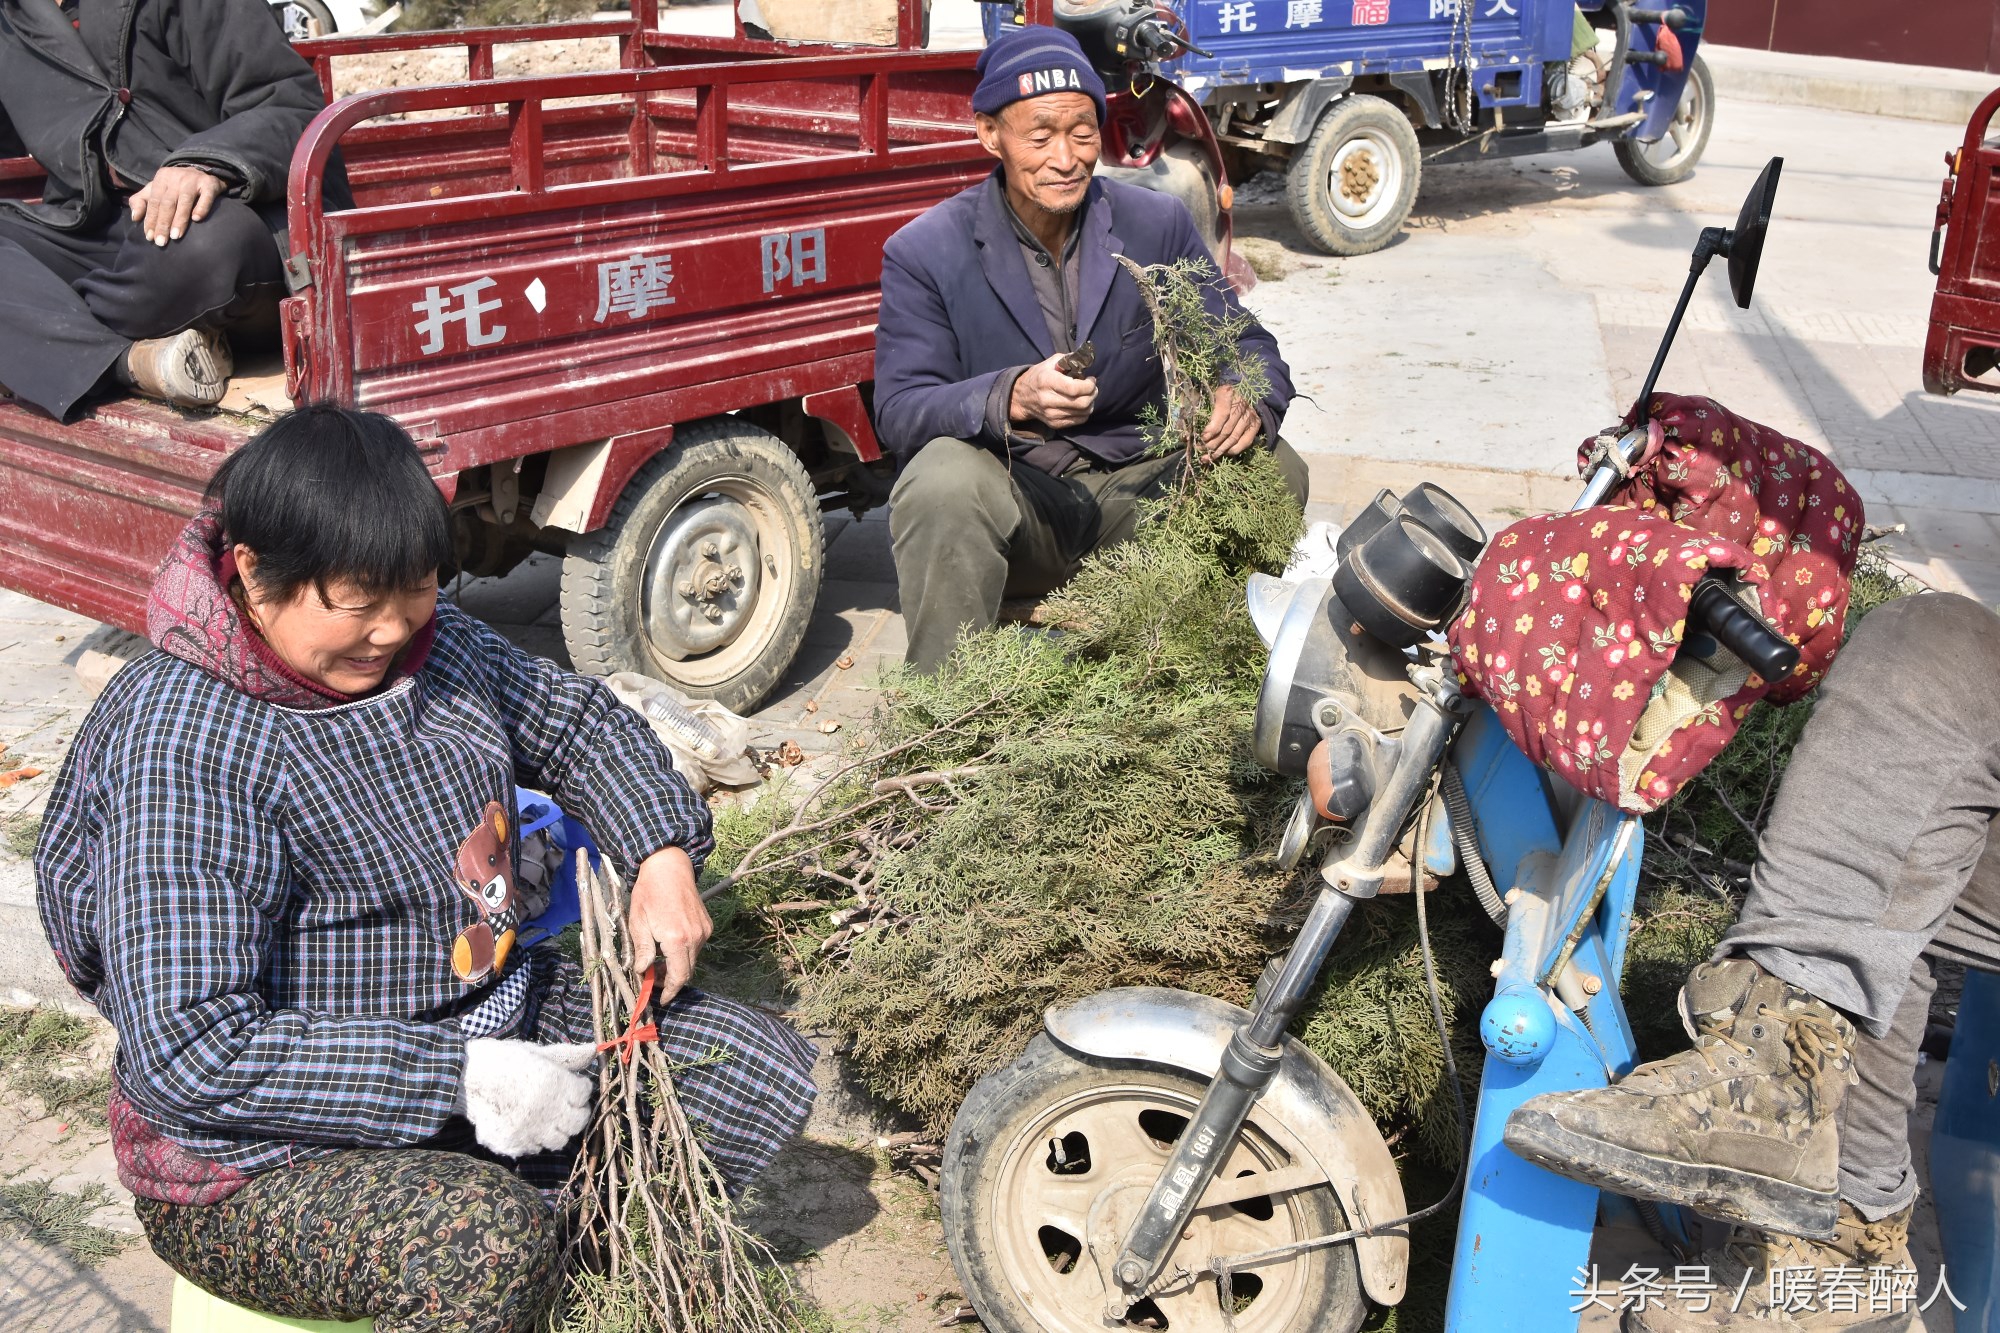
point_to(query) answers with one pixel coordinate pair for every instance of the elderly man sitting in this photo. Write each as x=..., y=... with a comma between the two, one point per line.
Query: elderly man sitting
x=166, y=128
x=1013, y=468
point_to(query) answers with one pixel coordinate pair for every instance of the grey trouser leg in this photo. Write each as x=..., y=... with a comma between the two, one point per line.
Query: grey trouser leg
x=969, y=529
x=1878, y=850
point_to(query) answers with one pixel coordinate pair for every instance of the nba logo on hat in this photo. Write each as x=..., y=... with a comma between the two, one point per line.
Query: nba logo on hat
x=1027, y=85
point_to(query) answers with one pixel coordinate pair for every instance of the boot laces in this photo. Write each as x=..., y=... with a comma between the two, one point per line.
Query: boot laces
x=1817, y=1050
x=1875, y=1244
x=1712, y=1037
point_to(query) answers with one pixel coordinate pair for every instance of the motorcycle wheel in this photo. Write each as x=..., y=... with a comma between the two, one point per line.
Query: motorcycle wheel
x=1352, y=184
x=1673, y=156
x=1051, y=1157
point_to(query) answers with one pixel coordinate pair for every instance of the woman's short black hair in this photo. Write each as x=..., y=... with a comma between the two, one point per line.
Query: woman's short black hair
x=326, y=494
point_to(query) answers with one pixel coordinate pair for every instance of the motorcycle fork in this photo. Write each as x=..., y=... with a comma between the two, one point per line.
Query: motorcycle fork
x=1255, y=1051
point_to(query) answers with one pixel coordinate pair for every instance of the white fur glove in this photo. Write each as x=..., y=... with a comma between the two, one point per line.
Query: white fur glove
x=522, y=1097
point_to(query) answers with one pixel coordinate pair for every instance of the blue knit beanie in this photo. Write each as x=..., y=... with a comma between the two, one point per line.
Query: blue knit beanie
x=1029, y=62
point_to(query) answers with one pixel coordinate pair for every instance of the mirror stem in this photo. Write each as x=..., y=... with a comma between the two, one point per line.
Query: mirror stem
x=1712, y=242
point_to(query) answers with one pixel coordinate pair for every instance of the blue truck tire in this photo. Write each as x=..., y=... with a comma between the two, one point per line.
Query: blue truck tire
x=1352, y=183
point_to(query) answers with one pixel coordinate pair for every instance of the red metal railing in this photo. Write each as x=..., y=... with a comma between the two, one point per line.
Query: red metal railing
x=717, y=159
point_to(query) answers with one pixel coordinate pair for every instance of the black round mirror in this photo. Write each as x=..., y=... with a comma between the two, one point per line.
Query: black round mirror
x=1746, y=242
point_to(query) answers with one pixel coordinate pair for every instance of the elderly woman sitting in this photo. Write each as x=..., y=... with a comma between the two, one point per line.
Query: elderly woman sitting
x=274, y=859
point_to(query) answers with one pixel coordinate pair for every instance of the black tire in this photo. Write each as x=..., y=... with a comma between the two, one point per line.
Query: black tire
x=622, y=611
x=999, y=1242
x=1693, y=119
x=1352, y=183
x=299, y=18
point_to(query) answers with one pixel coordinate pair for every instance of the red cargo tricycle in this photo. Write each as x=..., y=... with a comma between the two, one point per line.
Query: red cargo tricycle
x=1962, y=349
x=628, y=315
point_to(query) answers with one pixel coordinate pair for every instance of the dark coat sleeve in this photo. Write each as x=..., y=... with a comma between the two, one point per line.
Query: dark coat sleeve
x=10, y=142
x=919, y=394
x=261, y=91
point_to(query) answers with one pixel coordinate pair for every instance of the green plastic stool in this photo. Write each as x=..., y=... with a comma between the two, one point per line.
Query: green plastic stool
x=195, y=1311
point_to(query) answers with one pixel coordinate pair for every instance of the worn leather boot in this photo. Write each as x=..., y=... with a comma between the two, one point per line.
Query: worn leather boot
x=1849, y=1284
x=188, y=369
x=1741, y=1128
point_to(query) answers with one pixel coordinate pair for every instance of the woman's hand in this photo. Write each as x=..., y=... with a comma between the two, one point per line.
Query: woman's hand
x=668, y=919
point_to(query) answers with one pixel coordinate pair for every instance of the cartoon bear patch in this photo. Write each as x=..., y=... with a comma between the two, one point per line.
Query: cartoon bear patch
x=484, y=872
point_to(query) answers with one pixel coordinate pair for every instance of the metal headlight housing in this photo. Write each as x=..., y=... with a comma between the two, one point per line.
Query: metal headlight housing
x=1319, y=654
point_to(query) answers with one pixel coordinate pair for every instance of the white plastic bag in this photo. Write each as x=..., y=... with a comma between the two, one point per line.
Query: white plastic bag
x=709, y=742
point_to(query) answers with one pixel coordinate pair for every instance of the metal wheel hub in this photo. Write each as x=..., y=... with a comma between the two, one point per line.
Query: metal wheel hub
x=1364, y=180
x=1359, y=175
x=1074, y=1180
x=702, y=578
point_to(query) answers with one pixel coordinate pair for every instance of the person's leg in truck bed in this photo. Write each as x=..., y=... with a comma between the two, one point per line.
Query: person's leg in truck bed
x=74, y=303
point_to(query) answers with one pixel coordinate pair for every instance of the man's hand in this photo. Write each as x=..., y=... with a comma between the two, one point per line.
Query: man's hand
x=668, y=919
x=1043, y=393
x=175, y=198
x=1233, y=426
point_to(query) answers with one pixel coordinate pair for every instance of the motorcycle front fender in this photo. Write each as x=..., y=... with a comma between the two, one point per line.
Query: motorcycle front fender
x=1181, y=1030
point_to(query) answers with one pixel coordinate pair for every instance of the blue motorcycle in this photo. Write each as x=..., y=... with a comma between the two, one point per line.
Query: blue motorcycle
x=1161, y=1159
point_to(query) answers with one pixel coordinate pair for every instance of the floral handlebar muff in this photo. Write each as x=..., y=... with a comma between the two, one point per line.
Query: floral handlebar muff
x=1575, y=625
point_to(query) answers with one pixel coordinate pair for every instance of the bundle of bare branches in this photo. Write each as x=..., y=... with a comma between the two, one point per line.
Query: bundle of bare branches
x=655, y=1243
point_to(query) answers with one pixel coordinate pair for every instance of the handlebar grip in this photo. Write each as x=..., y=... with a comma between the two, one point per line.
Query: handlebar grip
x=1742, y=632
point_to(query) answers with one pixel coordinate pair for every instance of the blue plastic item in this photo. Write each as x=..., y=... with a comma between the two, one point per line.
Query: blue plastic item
x=534, y=812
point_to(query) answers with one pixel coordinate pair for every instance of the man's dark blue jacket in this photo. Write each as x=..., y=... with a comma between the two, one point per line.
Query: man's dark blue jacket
x=959, y=310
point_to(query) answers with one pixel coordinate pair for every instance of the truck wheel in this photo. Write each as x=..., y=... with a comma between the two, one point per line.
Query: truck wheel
x=304, y=19
x=706, y=573
x=1051, y=1157
x=1351, y=185
x=1674, y=154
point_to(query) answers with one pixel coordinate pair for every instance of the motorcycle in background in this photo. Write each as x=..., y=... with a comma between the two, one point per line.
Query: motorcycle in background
x=1162, y=1159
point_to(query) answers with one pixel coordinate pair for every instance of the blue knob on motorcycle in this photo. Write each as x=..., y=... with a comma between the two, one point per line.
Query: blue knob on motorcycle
x=1517, y=1025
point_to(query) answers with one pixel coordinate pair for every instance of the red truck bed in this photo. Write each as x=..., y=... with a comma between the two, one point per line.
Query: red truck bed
x=563, y=261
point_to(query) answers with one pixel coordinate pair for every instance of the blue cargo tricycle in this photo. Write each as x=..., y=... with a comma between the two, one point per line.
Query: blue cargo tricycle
x=1351, y=98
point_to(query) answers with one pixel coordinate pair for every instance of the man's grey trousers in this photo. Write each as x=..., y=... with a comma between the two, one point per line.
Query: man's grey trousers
x=971, y=528
x=1878, y=851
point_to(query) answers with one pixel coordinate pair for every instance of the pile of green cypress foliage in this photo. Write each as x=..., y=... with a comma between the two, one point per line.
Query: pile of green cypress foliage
x=1056, y=812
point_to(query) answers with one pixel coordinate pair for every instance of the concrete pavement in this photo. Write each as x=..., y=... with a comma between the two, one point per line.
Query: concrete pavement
x=1870, y=87
x=1515, y=316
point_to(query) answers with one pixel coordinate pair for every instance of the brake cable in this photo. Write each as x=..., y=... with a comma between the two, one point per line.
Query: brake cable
x=1226, y=1267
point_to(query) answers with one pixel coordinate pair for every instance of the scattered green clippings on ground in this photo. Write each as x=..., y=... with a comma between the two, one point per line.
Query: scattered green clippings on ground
x=35, y=1210
x=42, y=1056
x=21, y=835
